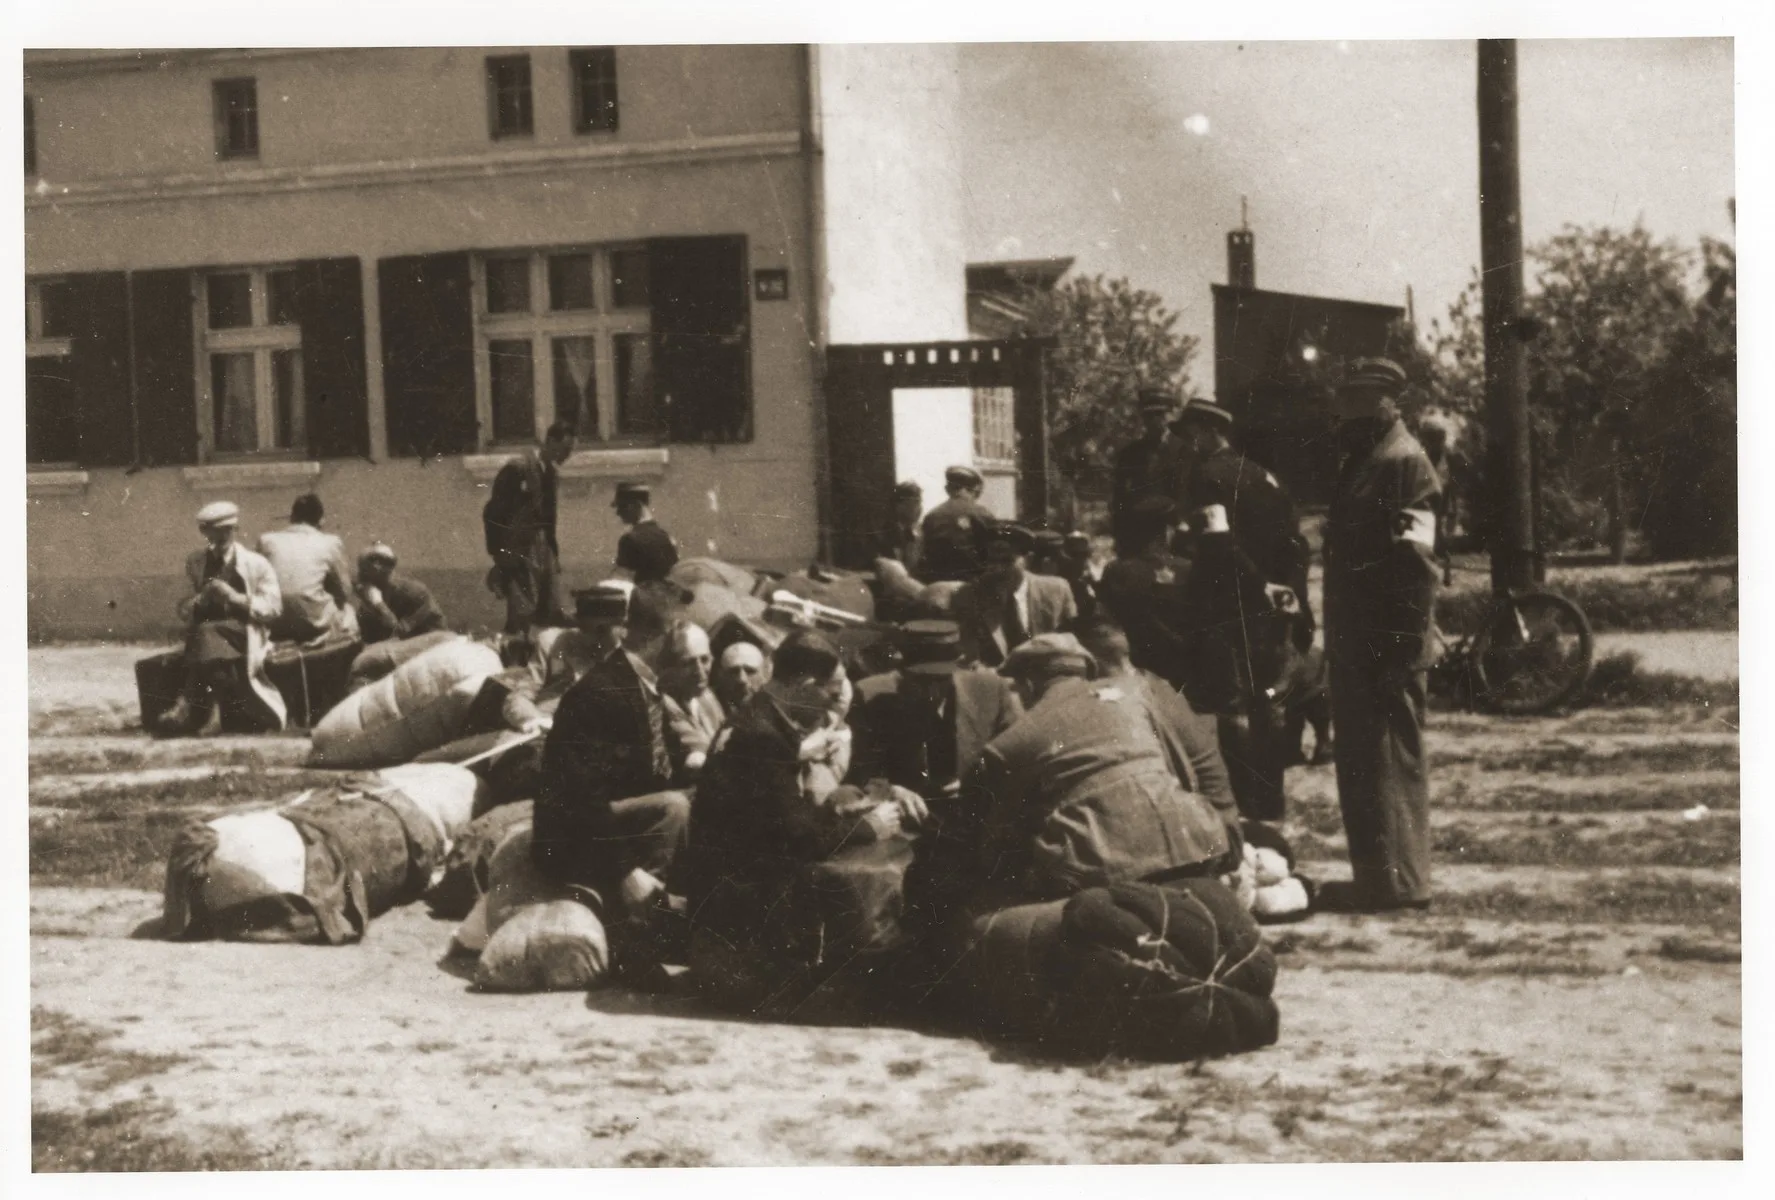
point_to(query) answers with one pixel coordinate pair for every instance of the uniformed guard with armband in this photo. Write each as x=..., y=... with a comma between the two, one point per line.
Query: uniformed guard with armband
x=1380, y=590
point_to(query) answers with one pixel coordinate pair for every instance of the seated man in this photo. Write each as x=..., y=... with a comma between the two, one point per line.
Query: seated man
x=1093, y=786
x=558, y=662
x=693, y=715
x=235, y=600
x=1009, y=604
x=923, y=725
x=740, y=671
x=398, y=618
x=311, y=575
x=605, y=819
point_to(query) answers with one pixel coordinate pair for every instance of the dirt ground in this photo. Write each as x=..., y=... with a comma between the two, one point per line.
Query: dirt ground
x=1575, y=993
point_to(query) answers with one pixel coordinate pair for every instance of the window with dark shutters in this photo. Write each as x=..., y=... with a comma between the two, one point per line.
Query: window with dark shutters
x=702, y=351
x=428, y=354
x=329, y=306
x=165, y=367
x=100, y=304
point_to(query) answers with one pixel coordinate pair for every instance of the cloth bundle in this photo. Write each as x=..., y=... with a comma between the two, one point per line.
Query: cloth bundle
x=532, y=935
x=321, y=867
x=1165, y=973
x=468, y=867
x=1265, y=882
x=423, y=704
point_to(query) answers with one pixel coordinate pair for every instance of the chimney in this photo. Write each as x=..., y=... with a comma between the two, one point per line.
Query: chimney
x=1241, y=253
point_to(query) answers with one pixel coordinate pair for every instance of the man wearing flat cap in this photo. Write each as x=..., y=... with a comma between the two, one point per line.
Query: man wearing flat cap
x=646, y=553
x=1089, y=788
x=1249, y=593
x=1380, y=591
x=1008, y=603
x=605, y=808
x=235, y=598
x=955, y=531
x=1154, y=464
x=921, y=726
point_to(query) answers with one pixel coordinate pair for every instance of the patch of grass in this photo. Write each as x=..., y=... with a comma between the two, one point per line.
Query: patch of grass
x=1645, y=600
x=113, y=800
x=1590, y=843
x=1682, y=948
x=1722, y=796
x=1619, y=681
x=1004, y=1153
x=59, y=1040
x=666, y=1156
x=131, y=1136
x=905, y=1068
x=1649, y=899
x=1556, y=756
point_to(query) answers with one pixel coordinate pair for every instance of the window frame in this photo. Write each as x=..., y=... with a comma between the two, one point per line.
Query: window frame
x=585, y=121
x=263, y=341
x=603, y=322
x=219, y=92
x=39, y=346
x=994, y=426
x=494, y=63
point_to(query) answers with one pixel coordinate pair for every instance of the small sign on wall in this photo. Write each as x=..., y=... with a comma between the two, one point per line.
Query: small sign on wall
x=771, y=283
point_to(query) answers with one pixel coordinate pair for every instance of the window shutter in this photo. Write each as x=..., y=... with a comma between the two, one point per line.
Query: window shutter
x=330, y=307
x=101, y=370
x=702, y=345
x=165, y=368
x=428, y=354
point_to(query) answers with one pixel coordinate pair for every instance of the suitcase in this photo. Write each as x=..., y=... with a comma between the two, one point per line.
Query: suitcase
x=311, y=677
x=159, y=680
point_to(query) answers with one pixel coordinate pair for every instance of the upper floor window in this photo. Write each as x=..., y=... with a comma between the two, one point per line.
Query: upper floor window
x=564, y=335
x=237, y=118
x=508, y=95
x=594, y=89
x=52, y=426
x=30, y=139
x=249, y=375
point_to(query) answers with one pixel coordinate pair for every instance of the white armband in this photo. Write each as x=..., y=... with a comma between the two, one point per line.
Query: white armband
x=1418, y=525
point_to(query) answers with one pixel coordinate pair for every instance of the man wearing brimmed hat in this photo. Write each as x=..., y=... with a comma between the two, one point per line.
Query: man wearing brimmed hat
x=1249, y=593
x=1380, y=591
x=235, y=598
x=921, y=726
x=519, y=522
x=605, y=808
x=1007, y=604
x=646, y=553
x=1089, y=788
x=1154, y=464
x=1147, y=592
x=955, y=531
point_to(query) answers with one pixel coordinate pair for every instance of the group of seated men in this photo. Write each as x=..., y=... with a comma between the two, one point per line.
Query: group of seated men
x=295, y=589
x=1018, y=768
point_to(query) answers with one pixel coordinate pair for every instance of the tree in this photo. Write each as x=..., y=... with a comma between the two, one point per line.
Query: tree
x=1113, y=339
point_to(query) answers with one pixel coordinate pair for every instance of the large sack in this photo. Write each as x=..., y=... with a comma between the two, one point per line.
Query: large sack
x=448, y=794
x=468, y=865
x=834, y=589
x=381, y=659
x=541, y=937
x=319, y=868
x=422, y=705
x=690, y=572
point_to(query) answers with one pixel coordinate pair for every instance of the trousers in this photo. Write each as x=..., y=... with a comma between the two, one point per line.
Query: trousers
x=1382, y=779
x=1254, y=745
x=531, y=585
x=599, y=849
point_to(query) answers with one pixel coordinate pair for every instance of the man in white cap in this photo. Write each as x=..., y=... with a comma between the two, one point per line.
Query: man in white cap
x=235, y=598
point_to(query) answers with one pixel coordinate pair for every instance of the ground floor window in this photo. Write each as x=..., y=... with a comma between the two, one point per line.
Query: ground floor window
x=995, y=430
x=250, y=362
x=52, y=422
x=564, y=335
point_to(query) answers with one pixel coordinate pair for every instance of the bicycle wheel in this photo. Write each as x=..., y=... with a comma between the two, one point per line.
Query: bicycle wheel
x=1533, y=653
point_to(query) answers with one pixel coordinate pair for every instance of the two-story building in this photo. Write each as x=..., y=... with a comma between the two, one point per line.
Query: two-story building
x=377, y=273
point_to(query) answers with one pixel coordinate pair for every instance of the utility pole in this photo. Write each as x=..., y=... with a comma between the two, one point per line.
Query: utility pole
x=1511, y=449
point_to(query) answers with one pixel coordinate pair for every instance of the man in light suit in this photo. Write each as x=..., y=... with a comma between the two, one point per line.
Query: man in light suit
x=1009, y=604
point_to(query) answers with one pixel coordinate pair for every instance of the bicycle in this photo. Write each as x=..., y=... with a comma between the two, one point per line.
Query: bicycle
x=1531, y=653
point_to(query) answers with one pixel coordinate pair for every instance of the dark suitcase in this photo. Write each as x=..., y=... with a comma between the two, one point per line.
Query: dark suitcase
x=159, y=680
x=311, y=677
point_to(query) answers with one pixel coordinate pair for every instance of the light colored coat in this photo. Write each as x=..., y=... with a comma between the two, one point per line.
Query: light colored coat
x=264, y=605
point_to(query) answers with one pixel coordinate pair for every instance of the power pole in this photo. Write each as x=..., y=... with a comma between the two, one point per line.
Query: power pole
x=1511, y=448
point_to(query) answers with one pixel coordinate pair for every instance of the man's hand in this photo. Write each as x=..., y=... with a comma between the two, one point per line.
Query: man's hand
x=1282, y=597
x=370, y=594
x=913, y=810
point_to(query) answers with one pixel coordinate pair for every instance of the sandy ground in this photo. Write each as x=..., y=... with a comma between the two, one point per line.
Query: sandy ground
x=1574, y=994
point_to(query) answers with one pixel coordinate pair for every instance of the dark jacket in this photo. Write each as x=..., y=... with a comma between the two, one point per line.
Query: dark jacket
x=519, y=516
x=647, y=551
x=1052, y=609
x=1149, y=597
x=415, y=612
x=955, y=536
x=1147, y=467
x=891, y=728
x=1380, y=575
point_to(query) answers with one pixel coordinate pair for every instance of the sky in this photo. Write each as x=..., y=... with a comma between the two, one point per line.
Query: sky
x=1359, y=159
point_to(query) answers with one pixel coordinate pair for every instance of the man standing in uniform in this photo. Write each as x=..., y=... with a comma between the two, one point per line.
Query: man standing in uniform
x=1249, y=584
x=1155, y=464
x=956, y=531
x=646, y=553
x=519, y=521
x=1380, y=592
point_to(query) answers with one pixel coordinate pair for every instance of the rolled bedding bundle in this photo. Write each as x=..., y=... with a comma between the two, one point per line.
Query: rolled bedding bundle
x=532, y=934
x=422, y=705
x=1165, y=973
x=320, y=867
x=468, y=866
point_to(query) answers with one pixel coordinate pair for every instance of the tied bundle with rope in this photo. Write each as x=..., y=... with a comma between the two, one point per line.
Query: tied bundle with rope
x=1160, y=972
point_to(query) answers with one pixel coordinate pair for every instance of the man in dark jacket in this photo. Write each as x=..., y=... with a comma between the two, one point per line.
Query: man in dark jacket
x=1008, y=603
x=605, y=809
x=519, y=522
x=1093, y=786
x=1249, y=591
x=955, y=531
x=646, y=553
x=391, y=609
x=1147, y=594
x=1154, y=464
x=1380, y=591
